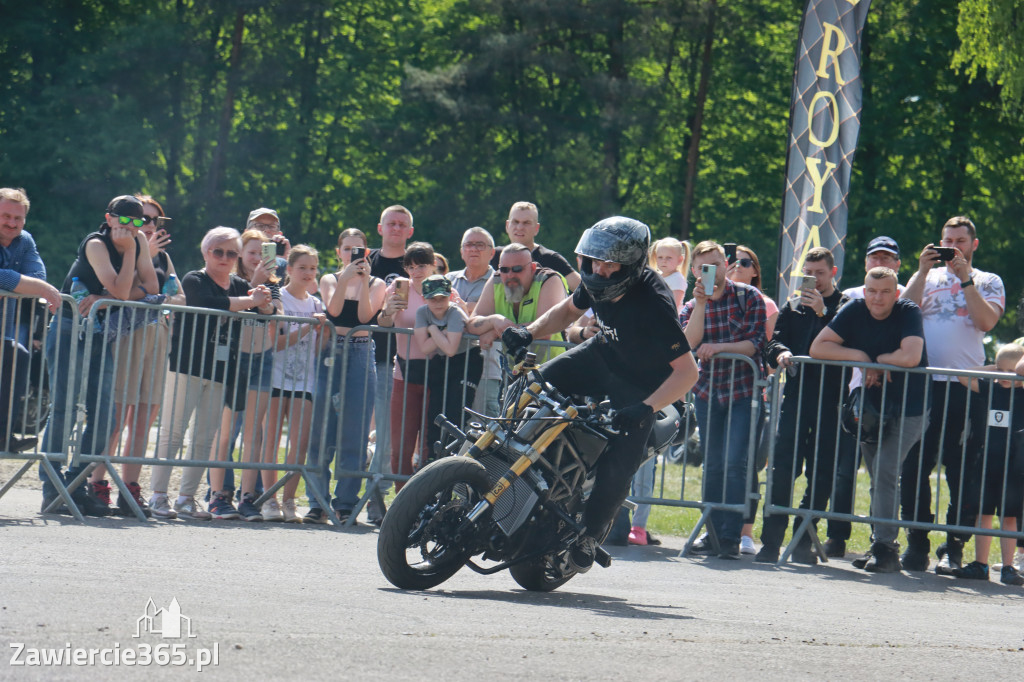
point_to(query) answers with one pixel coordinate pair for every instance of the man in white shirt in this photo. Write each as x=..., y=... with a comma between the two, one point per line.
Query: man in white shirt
x=960, y=304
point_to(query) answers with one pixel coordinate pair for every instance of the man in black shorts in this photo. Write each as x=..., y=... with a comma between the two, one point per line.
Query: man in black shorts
x=639, y=358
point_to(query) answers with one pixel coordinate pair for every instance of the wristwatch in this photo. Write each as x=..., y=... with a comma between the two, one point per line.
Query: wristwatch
x=968, y=283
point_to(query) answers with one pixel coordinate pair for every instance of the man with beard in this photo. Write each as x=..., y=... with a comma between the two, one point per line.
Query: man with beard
x=519, y=293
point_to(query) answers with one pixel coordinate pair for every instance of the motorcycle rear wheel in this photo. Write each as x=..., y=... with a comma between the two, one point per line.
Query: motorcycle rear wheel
x=416, y=549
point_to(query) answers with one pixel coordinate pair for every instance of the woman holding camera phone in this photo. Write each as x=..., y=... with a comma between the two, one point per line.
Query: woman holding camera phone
x=352, y=297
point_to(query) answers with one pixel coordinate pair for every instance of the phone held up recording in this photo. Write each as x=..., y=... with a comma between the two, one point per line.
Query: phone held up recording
x=707, y=277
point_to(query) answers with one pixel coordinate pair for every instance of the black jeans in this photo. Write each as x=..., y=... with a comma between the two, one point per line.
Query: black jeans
x=807, y=442
x=452, y=384
x=583, y=371
x=946, y=424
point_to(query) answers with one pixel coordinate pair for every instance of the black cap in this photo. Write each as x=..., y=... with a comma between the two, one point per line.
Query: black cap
x=126, y=205
x=884, y=244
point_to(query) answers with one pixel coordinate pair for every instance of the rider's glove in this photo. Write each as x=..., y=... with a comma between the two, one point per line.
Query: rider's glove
x=516, y=341
x=631, y=419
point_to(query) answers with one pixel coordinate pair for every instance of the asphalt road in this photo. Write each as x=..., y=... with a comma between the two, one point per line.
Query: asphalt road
x=302, y=602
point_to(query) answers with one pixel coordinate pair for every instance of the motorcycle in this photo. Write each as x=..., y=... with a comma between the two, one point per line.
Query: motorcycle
x=512, y=493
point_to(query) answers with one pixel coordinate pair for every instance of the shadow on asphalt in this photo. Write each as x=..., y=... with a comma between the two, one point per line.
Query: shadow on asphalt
x=612, y=607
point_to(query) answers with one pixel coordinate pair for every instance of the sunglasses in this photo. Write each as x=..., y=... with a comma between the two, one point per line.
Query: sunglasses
x=125, y=219
x=505, y=269
x=221, y=253
x=745, y=262
x=157, y=220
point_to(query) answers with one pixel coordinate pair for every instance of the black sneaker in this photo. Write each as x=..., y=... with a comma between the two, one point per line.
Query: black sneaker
x=88, y=503
x=884, y=559
x=124, y=509
x=248, y=510
x=835, y=548
x=221, y=507
x=581, y=556
x=972, y=571
x=1010, y=576
x=730, y=551
x=316, y=515
x=61, y=508
x=951, y=556
x=863, y=561
x=767, y=555
x=915, y=559
x=804, y=554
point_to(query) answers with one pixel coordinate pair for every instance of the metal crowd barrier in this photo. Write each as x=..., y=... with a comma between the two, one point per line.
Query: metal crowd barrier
x=834, y=456
x=24, y=389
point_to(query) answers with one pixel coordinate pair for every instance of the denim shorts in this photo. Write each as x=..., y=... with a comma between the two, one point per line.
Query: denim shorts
x=254, y=373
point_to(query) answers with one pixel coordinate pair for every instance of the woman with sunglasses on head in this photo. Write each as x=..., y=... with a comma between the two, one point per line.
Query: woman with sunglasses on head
x=113, y=262
x=747, y=269
x=140, y=370
x=409, y=393
x=352, y=296
x=203, y=349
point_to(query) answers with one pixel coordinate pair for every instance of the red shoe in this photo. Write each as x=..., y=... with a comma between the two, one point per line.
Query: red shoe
x=637, y=536
x=102, y=490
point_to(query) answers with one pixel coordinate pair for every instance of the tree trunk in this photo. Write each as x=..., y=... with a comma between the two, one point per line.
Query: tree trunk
x=693, y=155
x=228, y=108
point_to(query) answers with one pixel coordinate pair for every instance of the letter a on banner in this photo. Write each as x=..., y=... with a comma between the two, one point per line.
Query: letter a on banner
x=824, y=121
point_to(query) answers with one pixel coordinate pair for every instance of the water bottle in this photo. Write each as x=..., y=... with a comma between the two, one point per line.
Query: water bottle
x=170, y=286
x=78, y=290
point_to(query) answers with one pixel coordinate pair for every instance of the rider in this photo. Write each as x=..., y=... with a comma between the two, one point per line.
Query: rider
x=639, y=358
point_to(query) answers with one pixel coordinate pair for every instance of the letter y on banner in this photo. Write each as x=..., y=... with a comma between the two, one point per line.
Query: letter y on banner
x=824, y=122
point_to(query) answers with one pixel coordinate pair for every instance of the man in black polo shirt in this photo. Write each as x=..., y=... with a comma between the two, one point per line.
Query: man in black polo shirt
x=522, y=227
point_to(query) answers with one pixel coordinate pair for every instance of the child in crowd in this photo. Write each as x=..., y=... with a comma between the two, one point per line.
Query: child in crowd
x=671, y=258
x=998, y=408
x=294, y=375
x=440, y=323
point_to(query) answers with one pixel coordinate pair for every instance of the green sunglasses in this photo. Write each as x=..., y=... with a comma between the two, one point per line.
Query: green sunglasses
x=124, y=220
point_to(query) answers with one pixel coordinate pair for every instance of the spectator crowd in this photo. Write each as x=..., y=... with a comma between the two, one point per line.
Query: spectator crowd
x=300, y=352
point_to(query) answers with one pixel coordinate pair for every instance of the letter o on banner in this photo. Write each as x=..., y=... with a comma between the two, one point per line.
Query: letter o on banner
x=834, y=106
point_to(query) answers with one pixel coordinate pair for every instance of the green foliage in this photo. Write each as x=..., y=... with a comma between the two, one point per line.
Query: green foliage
x=328, y=111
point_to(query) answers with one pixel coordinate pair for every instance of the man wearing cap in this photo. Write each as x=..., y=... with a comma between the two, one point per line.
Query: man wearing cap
x=522, y=227
x=112, y=263
x=21, y=271
x=519, y=293
x=960, y=304
x=268, y=222
x=439, y=331
x=883, y=252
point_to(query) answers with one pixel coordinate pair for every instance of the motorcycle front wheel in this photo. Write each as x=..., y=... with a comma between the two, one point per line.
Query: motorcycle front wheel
x=420, y=544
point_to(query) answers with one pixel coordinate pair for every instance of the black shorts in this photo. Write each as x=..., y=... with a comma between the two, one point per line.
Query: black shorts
x=291, y=395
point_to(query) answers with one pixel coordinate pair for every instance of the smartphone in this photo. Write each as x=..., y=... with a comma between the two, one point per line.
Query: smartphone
x=707, y=276
x=946, y=253
x=358, y=253
x=730, y=253
x=809, y=283
x=402, y=289
x=279, y=249
x=268, y=251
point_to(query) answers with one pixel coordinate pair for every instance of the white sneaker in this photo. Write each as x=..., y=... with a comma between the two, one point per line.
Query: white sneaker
x=161, y=507
x=190, y=509
x=271, y=510
x=289, y=514
x=747, y=545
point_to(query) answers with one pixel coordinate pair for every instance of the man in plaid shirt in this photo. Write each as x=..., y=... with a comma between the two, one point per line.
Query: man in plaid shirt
x=730, y=320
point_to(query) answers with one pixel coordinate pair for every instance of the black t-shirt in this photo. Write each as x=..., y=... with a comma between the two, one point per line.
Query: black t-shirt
x=203, y=345
x=640, y=333
x=860, y=330
x=82, y=268
x=544, y=257
x=386, y=269
x=994, y=420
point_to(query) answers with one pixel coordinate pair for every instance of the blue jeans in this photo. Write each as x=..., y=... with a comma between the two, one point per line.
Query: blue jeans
x=61, y=342
x=348, y=406
x=725, y=440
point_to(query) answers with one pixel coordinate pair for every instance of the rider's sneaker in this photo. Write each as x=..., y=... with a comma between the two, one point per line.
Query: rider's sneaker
x=581, y=556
